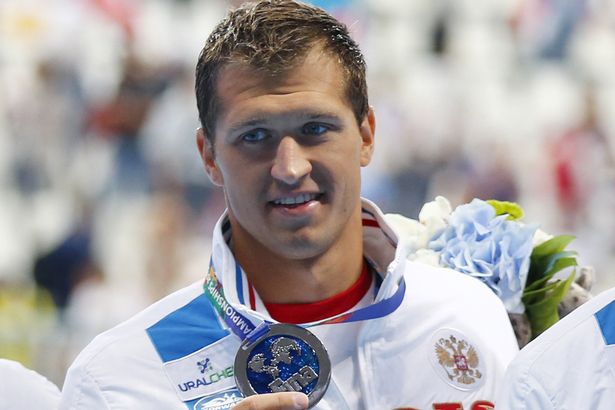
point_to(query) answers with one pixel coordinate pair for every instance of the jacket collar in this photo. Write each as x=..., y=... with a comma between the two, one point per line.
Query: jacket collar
x=381, y=246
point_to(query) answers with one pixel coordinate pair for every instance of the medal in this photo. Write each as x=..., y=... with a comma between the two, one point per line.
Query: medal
x=281, y=357
x=277, y=357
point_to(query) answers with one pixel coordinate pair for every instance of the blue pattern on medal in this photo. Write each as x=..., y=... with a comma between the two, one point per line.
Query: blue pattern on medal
x=283, y=363
x=281, y=358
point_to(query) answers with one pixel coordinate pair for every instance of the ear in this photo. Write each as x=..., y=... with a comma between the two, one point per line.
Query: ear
x=206, y=150
x=368, y=132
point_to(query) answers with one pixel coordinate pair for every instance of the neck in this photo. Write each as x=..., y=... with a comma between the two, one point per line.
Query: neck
x=281, y=279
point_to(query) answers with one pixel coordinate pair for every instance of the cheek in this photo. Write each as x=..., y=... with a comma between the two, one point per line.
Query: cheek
x=234, y=169
x=340, y=160
x=344, y=174
x=349, y=162
x=241, y=203
x=353, y=183
x=242, y=183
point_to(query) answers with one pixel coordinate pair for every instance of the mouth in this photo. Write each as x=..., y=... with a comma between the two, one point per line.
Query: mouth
x=295, y=201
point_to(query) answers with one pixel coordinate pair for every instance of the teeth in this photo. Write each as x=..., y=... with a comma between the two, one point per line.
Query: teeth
x=299, y=199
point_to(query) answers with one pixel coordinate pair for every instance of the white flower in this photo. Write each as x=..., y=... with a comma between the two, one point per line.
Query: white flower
x=433, y=218
x=540, y=237
x=435, y=215
x=426, y=256
x=411, y=231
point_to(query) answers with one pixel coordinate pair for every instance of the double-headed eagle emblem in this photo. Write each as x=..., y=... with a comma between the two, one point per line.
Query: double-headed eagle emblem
x=459, y=359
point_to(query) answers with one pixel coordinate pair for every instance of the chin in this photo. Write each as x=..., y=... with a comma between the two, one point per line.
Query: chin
x=302, y=248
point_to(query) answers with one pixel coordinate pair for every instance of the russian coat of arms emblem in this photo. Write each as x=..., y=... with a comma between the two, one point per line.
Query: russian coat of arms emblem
x=459, y=359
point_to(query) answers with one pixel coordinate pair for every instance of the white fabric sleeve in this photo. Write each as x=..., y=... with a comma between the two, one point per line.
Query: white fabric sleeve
x=25, y=389
x=521, y=391
x=81, y=391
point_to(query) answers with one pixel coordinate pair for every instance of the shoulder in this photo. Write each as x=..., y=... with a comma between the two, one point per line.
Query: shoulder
x=139, y=345
x=596, y=317
x=455, y=298
x=136, y=326
x=442, y=284
x=449, y=299
x=22, y=388
x=447, y=316
x=576, y=344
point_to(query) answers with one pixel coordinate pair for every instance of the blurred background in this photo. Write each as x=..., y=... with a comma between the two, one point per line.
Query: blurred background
x=105, y=206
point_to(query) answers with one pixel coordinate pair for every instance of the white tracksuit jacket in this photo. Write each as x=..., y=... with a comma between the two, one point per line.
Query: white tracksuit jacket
x=24, y=389
x=445, y=347
x=571, y=366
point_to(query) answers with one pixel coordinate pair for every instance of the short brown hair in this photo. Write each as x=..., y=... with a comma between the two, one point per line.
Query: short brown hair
x=270, y=36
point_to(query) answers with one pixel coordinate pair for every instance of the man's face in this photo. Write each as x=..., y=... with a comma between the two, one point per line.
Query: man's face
x=288, y=153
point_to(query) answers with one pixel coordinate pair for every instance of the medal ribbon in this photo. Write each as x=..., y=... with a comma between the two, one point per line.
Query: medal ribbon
x=244, y=328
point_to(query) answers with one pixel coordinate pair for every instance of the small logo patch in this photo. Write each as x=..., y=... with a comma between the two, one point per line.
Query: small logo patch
x=220, y=401
x=204, y=365
x=205, y=372
x=456, y=360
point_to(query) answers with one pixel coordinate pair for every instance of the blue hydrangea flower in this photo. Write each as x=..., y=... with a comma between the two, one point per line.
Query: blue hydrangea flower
x=490, y=248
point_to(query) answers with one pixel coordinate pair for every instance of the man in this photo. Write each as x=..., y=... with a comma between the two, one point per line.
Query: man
x=286, y=128
x=24, y=389
x=570, y=366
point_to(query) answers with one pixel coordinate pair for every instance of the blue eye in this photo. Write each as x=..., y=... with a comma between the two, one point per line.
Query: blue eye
x=315, y=128
x=255, y=135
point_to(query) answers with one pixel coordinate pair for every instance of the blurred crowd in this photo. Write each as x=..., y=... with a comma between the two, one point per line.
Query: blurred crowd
x=104, y=203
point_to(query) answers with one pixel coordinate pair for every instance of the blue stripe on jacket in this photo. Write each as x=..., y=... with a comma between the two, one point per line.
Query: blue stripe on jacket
x=186, y=330
x=606, y=321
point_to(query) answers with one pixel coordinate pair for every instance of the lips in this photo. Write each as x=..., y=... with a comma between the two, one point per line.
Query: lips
x=296, y=200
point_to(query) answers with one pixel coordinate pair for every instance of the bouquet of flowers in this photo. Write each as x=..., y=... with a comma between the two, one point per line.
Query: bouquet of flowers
x=488, y=240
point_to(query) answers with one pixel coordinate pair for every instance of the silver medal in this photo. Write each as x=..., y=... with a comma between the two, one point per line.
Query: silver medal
x=284, y=358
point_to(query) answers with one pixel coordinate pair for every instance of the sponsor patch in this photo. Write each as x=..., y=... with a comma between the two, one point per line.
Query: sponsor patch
x=206, y=371
x=220, y=401
x=456, y=360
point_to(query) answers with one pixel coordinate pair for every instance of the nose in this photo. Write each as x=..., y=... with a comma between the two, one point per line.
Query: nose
x=290, y=163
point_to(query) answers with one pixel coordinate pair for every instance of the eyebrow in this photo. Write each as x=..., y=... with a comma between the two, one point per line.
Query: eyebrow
x=252, y=122
x=260, y=119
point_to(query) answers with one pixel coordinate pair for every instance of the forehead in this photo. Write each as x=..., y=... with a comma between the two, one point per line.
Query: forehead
x=315, y=79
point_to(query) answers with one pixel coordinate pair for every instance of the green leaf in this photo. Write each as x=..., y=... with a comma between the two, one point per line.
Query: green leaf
x=512, y=209
x=546, y=265
x=543, y=314
x=550, y=265
x=536, y=295
x=545, y=288
x=537, y=284
x=562, y=263
x=553, y=245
